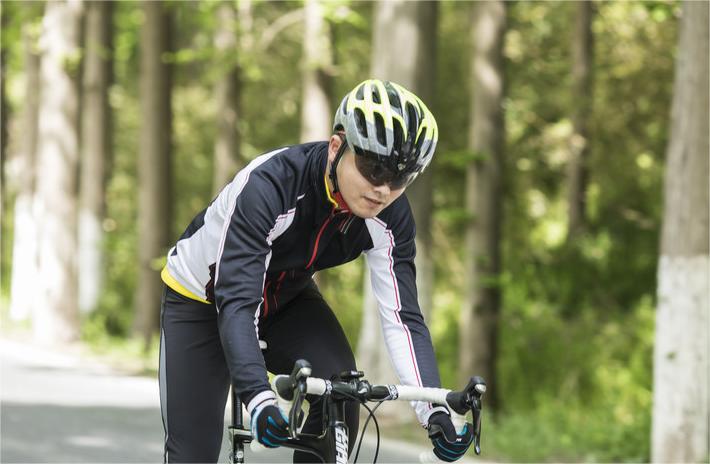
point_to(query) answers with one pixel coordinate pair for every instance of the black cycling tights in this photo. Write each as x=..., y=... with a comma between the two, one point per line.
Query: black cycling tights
x=194, y=378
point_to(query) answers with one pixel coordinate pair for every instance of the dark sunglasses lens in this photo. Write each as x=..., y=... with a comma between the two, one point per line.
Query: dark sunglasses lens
x=371, y=170
x=378, y=175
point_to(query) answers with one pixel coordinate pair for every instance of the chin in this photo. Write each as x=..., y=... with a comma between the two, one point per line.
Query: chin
x=366, y=213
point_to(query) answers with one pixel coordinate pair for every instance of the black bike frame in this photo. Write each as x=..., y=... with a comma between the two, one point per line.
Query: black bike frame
x=330, y=446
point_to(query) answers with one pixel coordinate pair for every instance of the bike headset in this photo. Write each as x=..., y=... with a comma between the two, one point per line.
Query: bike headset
x=391, y=131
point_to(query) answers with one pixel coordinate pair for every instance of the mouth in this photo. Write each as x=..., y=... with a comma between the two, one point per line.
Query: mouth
x=373, y=203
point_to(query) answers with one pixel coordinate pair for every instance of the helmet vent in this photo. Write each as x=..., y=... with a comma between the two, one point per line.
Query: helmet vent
x=413, y=122
x=360, y=122
x=376, y=96
x=398, y=136
x=360, y=94
x=393, y=97
x=380, y=128
x=420, y=142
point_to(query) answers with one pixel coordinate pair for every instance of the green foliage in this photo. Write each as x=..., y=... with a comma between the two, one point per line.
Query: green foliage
x=115, y=310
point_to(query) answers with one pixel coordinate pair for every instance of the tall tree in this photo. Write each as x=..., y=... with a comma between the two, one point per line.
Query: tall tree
x=4, y=107
x=681, y=352
x=479, y=317
x=55, y=319
x=227, y=154
x=577, y=172
x=154, y=173
x=316, y=110
x=395, y=23
x=95, y=150
x=24, y=248
x=415, y=24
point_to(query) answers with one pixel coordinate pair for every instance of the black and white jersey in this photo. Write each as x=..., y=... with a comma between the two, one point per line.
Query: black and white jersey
x=258, y=244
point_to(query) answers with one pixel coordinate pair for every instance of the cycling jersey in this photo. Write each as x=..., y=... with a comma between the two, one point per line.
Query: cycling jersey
x=258, y=244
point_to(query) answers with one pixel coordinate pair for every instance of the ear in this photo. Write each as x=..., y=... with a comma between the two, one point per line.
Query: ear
x=333, y=146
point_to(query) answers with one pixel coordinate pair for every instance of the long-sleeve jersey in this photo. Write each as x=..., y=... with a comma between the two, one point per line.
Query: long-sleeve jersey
x=258, y=244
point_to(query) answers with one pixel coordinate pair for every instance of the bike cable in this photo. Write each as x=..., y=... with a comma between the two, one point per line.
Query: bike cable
x=371, y=415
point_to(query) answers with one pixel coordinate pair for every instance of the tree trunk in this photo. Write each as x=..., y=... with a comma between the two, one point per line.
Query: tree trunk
x=227, y=154
x=24, y=248
x=479, y=318
x=4, y=107
x=154, y=173
x=415, y=24
x=577, y=171
x=55, y=319
x=316, y=110
x=395, y=23
x=681, y=359
x=95, y=151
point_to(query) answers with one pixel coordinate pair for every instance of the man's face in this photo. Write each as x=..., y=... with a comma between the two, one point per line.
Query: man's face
x=364, y=199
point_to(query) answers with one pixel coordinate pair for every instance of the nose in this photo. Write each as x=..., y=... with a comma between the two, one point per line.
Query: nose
x=383, y=190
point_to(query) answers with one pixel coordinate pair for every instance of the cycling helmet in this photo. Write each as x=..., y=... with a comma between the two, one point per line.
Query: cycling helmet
x=388, y=126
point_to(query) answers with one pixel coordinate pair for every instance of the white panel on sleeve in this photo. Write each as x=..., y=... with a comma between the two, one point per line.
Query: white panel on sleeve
x=398, y=339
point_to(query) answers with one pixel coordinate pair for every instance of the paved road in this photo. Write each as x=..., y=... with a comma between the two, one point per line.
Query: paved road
x=59, y=407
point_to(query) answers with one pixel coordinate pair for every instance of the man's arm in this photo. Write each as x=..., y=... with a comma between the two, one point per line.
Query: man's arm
x=242, y=260
x=393, y=277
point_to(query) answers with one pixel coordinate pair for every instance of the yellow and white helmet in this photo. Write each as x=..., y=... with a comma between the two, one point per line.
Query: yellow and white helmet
x=388, y=124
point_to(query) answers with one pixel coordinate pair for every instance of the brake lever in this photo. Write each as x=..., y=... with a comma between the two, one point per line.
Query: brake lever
x=299, y=377
x=475, y=397
x=296, y=411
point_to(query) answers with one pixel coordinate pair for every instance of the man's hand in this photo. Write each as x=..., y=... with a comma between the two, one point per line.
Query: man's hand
x=269, y=426
x=448, y=445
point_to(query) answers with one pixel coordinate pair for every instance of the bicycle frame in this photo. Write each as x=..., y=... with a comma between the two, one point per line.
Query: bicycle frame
x=330, y=446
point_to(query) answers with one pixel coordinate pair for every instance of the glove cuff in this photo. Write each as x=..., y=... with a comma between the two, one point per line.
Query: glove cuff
x=262, y=399
x=425, y=417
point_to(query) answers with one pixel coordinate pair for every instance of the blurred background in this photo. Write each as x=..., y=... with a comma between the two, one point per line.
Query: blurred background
x=552, y=254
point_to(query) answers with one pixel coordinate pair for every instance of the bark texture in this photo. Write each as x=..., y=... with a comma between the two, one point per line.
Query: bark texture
x=227, y=154
x=154, y=173
x=24, y=247
x=316, y=110
x=582, y=97
x=479, y=317
x=55, y=319
x=95, y=150
x=681, y=361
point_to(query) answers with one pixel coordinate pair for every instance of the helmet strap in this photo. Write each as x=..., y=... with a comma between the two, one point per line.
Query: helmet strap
x=332, y=174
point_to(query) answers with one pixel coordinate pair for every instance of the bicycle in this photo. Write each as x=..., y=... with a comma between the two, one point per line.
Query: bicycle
x=332, y=444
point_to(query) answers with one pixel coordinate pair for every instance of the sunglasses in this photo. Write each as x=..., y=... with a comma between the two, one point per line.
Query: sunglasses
x=377, y=174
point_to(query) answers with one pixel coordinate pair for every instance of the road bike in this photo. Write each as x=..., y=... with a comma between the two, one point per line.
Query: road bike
x=331, y=445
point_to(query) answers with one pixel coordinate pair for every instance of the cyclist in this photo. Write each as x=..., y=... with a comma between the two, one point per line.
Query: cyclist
x=242, y=271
